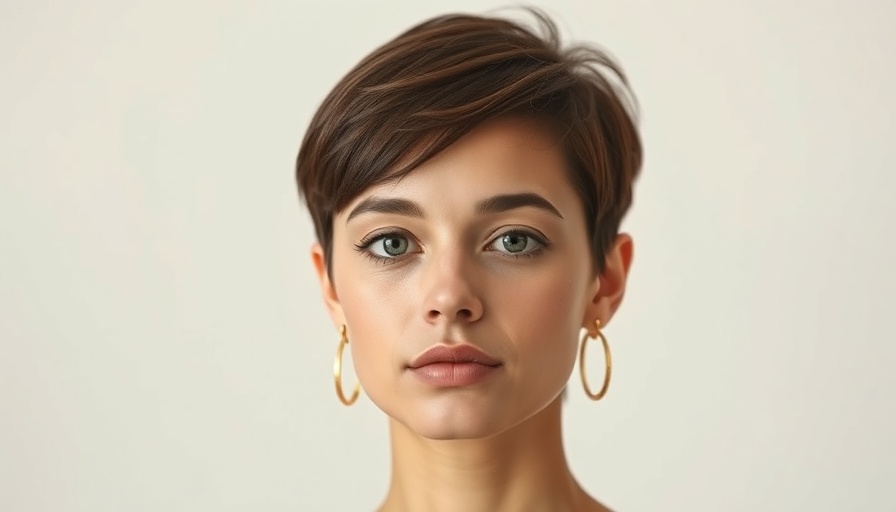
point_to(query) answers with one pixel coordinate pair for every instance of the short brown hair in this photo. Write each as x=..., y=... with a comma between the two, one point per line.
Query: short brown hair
x=425, y=89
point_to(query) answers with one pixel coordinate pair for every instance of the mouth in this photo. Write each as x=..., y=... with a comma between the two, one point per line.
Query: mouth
x=454, y=354
x=453, y=366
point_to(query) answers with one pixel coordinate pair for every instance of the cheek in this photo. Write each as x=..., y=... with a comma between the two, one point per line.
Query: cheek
x=545, y=316
x=371, y=342
x=375, y=310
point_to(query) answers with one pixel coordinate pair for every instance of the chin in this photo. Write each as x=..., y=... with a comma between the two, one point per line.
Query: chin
x=450, y=418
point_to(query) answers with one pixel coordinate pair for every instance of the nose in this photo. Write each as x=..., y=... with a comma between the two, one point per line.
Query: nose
x=450, y=293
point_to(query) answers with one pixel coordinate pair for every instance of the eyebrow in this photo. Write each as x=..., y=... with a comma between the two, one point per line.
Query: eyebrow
x=505, y=202
x=494, y=204
x=384, y=205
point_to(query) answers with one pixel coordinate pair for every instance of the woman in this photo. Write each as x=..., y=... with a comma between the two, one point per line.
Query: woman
x=466, y=182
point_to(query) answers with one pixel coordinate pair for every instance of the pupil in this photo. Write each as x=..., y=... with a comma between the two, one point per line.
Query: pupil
x=514, y=243
x=395, y=246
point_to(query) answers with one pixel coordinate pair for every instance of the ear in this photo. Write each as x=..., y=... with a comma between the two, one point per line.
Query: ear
x=609, y=287
x=328, y=291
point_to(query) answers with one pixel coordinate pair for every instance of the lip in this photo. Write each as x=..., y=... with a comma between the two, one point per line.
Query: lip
x=461, y=365
x=453, y=354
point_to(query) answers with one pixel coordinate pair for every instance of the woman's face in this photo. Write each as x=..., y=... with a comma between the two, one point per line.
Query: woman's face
x=484, y=247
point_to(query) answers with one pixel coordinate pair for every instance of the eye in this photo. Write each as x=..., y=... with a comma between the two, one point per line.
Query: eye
x=387, y=246
x=517, y=243
x=390, y=245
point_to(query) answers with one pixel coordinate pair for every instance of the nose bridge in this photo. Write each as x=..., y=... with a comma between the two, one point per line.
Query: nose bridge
x=450, y=286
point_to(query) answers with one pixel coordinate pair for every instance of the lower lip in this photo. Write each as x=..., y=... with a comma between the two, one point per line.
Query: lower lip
x=454, y=374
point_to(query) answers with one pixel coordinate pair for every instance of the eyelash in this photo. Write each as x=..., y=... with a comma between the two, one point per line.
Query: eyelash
x=540, y=240
x=363, y=246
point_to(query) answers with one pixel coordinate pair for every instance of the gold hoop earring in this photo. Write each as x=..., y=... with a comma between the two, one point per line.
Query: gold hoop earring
x=603, y=390
x=337, y=371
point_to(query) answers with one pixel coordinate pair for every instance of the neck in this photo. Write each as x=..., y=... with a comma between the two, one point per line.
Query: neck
x=523, y=468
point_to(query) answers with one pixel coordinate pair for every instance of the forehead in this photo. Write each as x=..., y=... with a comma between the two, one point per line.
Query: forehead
x=502, y=156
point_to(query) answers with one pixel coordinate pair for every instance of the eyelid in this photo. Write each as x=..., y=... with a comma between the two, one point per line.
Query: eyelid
x=519, y=230
x=534, y=234
x=363, y=246
x=375, y=235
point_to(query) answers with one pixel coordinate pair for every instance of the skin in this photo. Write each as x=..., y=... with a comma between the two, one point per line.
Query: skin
x=518, y=283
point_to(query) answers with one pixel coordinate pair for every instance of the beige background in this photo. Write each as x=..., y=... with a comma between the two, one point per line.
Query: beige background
x=163, y=347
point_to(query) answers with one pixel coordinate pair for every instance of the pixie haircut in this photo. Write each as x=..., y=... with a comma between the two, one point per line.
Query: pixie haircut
x=425, y=89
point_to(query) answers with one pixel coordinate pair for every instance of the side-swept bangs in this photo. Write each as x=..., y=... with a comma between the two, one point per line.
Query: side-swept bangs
x=422, y=91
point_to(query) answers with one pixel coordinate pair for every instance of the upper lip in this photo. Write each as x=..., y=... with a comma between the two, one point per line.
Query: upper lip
x=454, y=354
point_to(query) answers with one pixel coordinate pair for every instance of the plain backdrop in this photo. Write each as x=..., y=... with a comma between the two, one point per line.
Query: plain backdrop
x=162, y=342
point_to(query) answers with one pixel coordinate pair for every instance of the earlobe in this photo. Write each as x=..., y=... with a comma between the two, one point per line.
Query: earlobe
x=327, y=289
x=610, y=284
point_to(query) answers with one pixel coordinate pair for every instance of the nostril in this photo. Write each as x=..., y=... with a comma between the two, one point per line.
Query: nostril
x=452, y=305
x=460, y=314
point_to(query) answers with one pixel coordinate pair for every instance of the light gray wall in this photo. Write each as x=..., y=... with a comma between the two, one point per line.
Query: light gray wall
x=163, y=347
